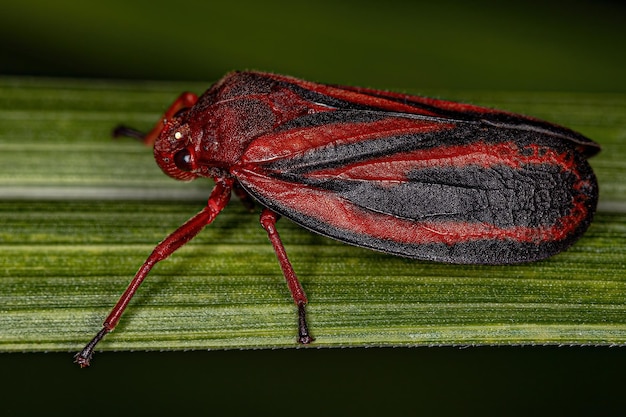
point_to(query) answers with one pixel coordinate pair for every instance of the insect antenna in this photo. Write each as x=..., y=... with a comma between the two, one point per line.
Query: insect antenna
x=125, y=131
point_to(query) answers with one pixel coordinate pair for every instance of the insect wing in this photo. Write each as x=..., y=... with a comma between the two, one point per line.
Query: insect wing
x=423, y=187
x=365, y=98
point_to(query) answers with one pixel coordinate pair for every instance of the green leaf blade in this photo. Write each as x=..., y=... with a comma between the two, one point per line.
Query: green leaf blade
x=79, y=213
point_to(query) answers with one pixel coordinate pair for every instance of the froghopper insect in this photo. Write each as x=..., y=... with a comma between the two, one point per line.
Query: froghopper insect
x=407, y=175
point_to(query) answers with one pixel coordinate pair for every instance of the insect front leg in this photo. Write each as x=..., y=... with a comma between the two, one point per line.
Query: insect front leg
x=268, y=221
x=184, y=101
x=217, y=201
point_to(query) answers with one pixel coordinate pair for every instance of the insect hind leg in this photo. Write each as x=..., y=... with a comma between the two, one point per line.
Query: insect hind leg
x=268, y=221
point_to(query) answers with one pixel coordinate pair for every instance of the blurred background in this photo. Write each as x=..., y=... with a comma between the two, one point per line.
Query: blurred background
x=416, y=46
x=395, y=44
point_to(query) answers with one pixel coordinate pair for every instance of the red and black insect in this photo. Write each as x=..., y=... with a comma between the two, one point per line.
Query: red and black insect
x=407, y=175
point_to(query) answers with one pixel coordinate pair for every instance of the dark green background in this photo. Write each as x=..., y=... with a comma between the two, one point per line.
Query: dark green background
x=430, y=47
x=436, y=45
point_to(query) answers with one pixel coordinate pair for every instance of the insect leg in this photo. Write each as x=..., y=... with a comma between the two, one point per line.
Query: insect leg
x=245, y=198
x=185, y=100
x=217, y=201
x=268, y=221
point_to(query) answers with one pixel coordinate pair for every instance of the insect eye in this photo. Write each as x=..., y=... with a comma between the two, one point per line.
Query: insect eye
x=183, y=160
